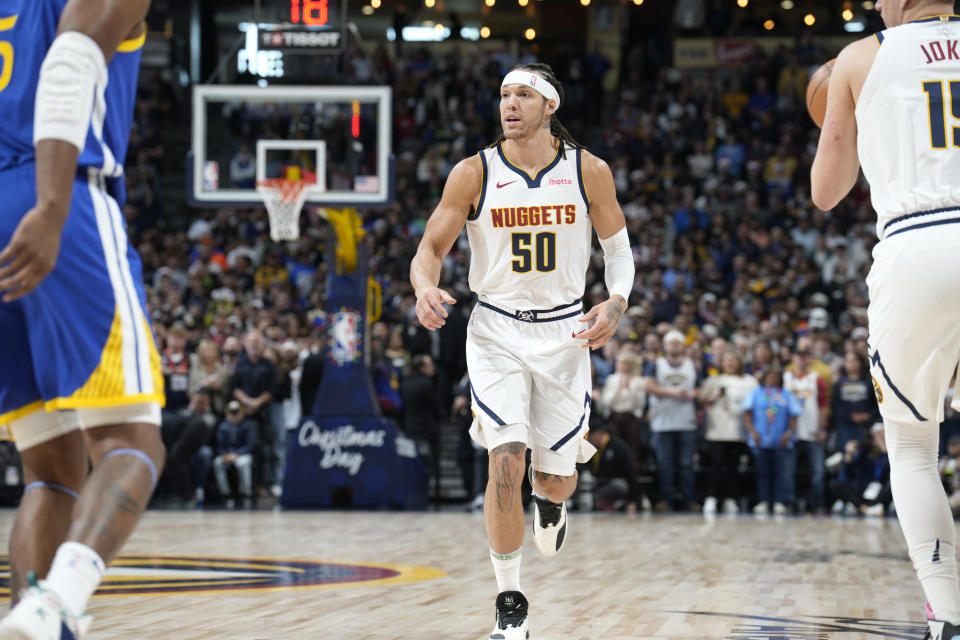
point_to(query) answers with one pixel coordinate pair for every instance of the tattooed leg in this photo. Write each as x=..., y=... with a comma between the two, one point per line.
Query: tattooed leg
x=503, y=505
x=553, y=487
x=119, y=488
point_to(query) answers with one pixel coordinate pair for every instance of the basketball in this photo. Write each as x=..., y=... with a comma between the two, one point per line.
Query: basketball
x=817, y=92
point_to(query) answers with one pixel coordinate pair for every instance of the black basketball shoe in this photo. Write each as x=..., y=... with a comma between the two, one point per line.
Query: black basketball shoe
x=511, y=617
x=938, y=630
x=549, y=523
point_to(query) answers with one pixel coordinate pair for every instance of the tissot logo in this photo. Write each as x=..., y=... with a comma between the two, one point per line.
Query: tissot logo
x=555, y=181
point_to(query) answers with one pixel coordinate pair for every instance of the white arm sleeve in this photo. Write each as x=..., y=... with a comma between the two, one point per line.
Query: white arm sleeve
x=72, y=72
x=619, y=269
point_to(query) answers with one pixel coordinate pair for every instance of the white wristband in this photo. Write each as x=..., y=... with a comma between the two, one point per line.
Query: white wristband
x=619, y=269
x=72, y=72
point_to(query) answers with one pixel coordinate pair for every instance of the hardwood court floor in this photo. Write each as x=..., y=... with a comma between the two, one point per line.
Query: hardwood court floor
x=618, y=578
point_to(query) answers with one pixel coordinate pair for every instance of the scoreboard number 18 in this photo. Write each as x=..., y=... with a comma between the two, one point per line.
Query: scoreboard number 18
x=312, y=13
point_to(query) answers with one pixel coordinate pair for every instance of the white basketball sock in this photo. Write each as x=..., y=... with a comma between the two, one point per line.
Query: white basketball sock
x=924, y=514
x=936, y=566
x=75, y=574
x=507, y=568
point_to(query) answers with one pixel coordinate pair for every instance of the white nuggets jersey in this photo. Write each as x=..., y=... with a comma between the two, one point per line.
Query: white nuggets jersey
x=672, y=414
x=908, y=120
x=806, y=390
x=530, y=235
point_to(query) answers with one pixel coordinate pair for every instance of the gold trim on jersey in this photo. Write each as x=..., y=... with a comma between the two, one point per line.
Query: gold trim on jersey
x=8, y=23
x=133, y=44
x=943, y=17
x=537, y=174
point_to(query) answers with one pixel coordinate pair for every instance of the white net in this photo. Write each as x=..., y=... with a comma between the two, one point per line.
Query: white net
x=284, y=199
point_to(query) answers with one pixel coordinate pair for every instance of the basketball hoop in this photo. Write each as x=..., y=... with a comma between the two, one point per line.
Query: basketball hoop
x=284, y=199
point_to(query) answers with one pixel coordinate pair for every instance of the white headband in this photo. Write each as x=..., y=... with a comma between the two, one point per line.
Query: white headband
x=532, y=80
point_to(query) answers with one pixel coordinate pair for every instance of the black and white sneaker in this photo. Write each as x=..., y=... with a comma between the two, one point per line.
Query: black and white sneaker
x=938, y=630
x=511, y=617
x=549, y=523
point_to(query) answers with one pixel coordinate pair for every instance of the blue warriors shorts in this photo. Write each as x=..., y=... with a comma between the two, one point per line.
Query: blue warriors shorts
x=82, y=339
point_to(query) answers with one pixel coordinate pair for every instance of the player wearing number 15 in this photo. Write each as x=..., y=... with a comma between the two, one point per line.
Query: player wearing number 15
x=893, y=106
x=525, y=202
x=80, y=380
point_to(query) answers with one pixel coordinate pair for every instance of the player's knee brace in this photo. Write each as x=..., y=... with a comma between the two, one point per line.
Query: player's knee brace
x=136, y=453
x=51, y=486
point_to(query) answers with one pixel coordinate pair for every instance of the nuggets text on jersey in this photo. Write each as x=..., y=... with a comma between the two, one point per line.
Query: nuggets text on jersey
x=533, y=216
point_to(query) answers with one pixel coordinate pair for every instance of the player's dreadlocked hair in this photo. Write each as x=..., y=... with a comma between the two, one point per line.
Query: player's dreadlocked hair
x=557, y=130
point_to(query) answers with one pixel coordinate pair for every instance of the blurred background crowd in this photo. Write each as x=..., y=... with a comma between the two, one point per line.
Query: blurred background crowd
x=738, y=380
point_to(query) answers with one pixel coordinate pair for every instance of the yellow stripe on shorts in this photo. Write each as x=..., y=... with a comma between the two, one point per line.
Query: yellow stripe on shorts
x=107, y=379
x=106, y=386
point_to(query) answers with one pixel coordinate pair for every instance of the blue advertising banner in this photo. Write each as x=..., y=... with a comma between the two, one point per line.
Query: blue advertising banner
x=341, y=462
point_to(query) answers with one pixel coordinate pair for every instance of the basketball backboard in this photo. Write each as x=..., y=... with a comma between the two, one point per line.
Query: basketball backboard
x=338, y=137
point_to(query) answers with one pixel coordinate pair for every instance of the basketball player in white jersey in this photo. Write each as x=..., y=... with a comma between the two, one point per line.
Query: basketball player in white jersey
x=528, y=203
x=893, y=107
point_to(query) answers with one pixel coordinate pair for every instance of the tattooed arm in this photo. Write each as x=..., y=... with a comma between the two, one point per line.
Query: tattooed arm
x=609, y=223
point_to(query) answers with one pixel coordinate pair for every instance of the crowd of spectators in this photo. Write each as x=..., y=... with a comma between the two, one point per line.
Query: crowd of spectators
x=148, y=158
x=738, y=374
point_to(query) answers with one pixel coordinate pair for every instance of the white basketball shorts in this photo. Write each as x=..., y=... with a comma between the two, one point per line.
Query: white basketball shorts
x=530, y=381
x=914, y=315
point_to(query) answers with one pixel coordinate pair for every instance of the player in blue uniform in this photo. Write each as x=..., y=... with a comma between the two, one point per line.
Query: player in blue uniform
x=80, y=373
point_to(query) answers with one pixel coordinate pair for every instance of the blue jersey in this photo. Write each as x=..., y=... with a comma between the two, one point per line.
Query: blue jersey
x=82, y=339
x=27, y=29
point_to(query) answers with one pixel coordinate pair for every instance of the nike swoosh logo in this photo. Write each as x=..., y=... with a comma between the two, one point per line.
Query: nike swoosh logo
x=501, y=186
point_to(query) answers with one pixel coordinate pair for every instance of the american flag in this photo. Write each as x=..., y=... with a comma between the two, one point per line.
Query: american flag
x=366, y=184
